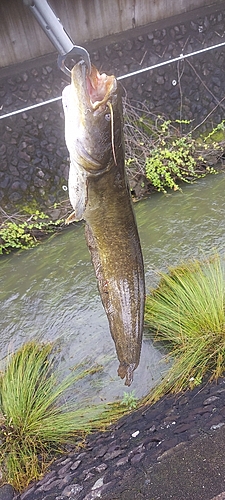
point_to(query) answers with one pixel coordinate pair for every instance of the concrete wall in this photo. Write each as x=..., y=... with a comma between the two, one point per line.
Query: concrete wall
x=22, y=39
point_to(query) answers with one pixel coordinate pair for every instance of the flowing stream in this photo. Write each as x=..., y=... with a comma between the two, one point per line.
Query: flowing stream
x=50, y=292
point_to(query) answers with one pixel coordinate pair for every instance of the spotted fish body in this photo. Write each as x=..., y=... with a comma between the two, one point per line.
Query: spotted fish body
x=100, y=194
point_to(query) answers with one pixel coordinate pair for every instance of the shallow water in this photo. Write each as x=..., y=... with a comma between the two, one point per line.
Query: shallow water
x=50, y=292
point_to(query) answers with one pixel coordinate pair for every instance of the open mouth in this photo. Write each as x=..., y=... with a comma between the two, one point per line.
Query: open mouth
x=99, y=87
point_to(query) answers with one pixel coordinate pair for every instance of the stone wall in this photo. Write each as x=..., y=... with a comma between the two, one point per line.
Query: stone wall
x=33, y=156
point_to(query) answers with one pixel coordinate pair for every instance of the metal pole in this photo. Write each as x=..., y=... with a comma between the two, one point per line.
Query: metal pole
x=51, y=25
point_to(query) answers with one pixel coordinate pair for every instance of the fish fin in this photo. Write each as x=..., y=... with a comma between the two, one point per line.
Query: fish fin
x=94, y=252
x=71, y=218
x=77, y=175
x=77, y=190
x=102, y=282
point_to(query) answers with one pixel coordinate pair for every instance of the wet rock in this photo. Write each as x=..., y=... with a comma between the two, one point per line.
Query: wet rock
x=88, y=475
x=47, y=478
x=76, y=464
x=27, y=494
x=136, y=450
x=201, y=410
x=160, y=80
x=39, y=182
x=100, y=468
x=122, y=461
x=135, y=434
x=72, y=490
x=128, y=45
x=101, y=451
x=214, y=421
x=6, y=492
x=182, y=428
x=113, y=454
x=137, y=458
x=14, y=171
x=98, y=484
x=169, y=444
x=15, y=197
x=66, y=480
x=95, y=490
x=171, y=451
x=216, y=426
x=5, y=181
x=24, y=156
x=64, y=469
x=22, y=186
x=2, y=149
x=210, y=400
x=52, y=484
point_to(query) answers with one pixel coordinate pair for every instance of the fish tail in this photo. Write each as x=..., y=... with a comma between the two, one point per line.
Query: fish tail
x=127, y=371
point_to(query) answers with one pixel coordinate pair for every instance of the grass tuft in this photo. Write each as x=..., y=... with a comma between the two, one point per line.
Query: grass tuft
x=35, y=420
x=186, y=312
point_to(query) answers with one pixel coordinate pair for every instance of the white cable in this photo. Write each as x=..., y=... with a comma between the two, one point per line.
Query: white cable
x=178, y=58
x=175, y=59
x=30, y=107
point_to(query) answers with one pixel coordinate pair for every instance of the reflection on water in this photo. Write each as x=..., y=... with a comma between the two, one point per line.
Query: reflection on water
x=50, y=292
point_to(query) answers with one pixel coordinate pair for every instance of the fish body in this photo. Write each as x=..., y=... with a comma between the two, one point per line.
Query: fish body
x=100, y=194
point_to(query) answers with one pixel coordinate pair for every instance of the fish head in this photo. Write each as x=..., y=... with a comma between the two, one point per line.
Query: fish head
x=93, y=118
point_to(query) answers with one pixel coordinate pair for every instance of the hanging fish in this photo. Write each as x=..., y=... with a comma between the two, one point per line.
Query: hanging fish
x=100, y=194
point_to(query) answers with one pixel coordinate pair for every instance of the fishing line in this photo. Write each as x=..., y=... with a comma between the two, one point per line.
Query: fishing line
x=112, y=131
x=127, y=75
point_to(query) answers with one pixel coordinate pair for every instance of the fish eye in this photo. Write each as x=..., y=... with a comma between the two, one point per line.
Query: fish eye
x=108, y=117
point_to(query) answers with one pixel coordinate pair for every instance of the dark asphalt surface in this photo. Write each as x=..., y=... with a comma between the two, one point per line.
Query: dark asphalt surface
x=190, y=472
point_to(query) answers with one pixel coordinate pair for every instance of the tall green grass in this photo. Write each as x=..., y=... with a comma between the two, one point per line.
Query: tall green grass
x=35, y=420
x=186, y=312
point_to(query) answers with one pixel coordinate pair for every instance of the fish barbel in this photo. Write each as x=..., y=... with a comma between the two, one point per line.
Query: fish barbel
x=100, y=194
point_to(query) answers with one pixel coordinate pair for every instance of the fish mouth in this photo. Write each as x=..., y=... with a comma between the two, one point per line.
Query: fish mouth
x=99, y=88
x=93, y=88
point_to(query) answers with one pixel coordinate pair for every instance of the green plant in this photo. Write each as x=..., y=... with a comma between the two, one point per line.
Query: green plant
x=38, y=215
x=129, y=400
x=217, y=133
x=186, y=312
x=165, y=151
x=22, y=235
x=168, y=163
x=14, y=236
x=35, y=420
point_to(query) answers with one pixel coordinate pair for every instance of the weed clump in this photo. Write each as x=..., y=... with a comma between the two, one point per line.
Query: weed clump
x=186, y=312
x=163, y=152
x=21, y=235
x=35, y=420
